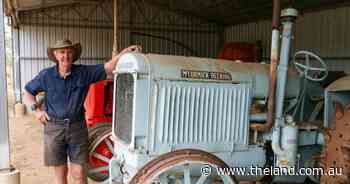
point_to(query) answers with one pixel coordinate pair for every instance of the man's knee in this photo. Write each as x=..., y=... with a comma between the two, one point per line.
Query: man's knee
x=60, y=174
x=77, y=172
x=60, y=170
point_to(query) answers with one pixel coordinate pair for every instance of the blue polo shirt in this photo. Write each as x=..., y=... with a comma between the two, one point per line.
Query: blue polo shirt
x=65, y=97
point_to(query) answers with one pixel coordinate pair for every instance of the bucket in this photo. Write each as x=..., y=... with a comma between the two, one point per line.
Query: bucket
x=20, y=110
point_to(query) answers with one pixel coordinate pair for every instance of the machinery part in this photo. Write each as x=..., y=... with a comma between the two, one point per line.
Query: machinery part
x=282, y=72
x=289, y=12
x=336, y=153
x=273, y=67
x=305, y=69
x=285, y=144
x=180, y=160
x=10, y=176
x=100, y=151
x=284, y=135
x=97, y=127
x=116, y=175
x=240, y=52
x=99, y=103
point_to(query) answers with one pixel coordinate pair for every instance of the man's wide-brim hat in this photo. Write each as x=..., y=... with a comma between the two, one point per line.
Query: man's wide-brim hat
x=60, y=44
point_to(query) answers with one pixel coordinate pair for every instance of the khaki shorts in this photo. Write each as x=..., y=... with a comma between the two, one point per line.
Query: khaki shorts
x=62, y=140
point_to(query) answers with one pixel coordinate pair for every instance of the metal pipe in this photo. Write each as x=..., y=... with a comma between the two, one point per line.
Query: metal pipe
x=258, y=117
x=115, y=28
x=16, y=69
x=283, y=68
x=276, y=14
x=273, y=69
x=46, y=58
x=275, y=144
x=140, y=27
x=284, y=148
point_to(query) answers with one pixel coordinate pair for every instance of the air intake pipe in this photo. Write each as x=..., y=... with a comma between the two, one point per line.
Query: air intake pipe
x=284, y=136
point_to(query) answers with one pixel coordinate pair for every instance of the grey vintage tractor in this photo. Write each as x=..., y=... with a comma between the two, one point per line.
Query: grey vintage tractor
x=196, y=120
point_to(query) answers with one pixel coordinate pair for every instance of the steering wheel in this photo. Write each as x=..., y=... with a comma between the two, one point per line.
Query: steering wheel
x=305, y=68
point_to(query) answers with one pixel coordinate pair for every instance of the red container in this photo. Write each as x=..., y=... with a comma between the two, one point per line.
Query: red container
x=244, y=52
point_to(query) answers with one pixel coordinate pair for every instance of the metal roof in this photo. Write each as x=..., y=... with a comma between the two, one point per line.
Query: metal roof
x=224, y=12
x=240, y=11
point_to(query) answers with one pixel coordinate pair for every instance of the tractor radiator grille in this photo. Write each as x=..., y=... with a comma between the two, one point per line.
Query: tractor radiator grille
x=201, y=114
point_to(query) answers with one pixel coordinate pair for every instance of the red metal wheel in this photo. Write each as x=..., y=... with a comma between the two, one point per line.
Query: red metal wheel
x=100, y=152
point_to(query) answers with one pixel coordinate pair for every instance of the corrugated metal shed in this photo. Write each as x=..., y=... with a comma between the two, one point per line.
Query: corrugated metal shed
x=226, y=12
x=169, y=27
x=158, y=31
x=324, y=32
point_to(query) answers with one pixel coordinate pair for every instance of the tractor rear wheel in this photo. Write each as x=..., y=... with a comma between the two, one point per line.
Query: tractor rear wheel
x=335, y=158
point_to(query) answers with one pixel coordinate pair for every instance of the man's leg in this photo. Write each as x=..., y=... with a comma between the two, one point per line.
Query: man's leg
x=60, y=174
x=78, y=151
x=78, y=174
x=55, y=151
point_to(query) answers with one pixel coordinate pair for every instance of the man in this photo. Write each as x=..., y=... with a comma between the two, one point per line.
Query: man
x=66, y=85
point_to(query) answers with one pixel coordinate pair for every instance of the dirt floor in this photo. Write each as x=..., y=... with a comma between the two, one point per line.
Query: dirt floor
x=27, y=145
x=26, y=150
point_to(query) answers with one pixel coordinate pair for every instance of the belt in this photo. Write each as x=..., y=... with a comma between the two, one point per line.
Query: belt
x=65, y=120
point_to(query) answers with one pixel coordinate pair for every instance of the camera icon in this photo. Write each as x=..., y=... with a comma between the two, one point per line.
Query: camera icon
x=206, y=170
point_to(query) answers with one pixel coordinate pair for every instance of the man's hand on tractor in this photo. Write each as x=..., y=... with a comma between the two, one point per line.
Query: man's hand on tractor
x=132, y=48
x=110, y=65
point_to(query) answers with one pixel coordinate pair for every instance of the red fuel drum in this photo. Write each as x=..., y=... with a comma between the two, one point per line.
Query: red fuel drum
x=244, y=52
x=99, y=103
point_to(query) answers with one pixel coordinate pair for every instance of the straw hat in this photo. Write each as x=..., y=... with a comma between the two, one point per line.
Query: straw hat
x=60, y=44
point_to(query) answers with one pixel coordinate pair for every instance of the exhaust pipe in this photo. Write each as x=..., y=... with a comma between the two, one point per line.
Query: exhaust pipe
x=273, y=69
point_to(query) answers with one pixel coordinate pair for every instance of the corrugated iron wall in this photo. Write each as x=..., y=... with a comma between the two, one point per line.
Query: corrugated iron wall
x=158, y=31
x=324, y=32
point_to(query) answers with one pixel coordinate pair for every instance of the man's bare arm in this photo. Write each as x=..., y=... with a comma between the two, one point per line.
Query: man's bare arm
x=110, y=65
x=31, y=99
x=40, y=114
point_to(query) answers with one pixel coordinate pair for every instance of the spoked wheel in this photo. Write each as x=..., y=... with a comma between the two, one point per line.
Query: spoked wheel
x=100, y=151
x=186, y=166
